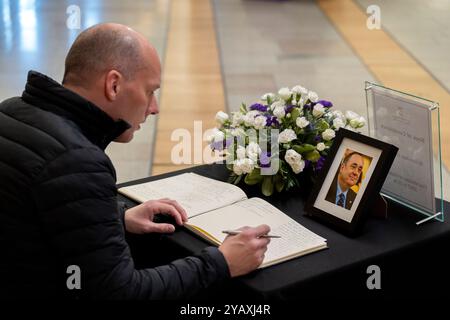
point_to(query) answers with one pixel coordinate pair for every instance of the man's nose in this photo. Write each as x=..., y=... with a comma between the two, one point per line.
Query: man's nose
x=153, y=107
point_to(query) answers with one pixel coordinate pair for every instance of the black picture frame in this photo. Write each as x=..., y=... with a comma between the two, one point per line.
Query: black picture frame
x=348, y=218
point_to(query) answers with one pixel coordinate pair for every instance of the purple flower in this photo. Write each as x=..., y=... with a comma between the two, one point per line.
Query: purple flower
x=259, y=107
x=308, y=106
x=307, y=164
x=320, y=163
x=271, y=120
x=220, y=145
x=317, y=138
x=288, y=108
x=264, y=159
x=325, y=103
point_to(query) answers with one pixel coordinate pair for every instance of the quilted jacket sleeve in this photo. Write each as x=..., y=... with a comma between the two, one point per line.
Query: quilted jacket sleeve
x=75, y=196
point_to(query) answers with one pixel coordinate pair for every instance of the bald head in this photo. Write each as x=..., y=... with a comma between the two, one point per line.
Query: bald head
x=117, y=70
x=105, y=47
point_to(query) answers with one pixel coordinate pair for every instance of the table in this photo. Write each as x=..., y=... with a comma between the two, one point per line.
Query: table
x=412, y=259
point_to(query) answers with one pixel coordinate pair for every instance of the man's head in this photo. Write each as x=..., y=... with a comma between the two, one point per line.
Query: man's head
x=117, y=69
x=350, y=170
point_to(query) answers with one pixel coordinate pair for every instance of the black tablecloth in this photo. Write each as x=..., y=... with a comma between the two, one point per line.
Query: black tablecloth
x=412, y=258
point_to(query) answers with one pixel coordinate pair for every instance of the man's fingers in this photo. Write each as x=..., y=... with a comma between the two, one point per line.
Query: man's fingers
x=259, y=230
x=161, y=228
x=180, y=209
x=170, y=210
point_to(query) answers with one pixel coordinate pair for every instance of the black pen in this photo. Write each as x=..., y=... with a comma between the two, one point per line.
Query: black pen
x=235, y=232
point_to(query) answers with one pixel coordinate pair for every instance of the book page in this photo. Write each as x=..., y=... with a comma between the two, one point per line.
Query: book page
x=195, y=193
x=295, y=239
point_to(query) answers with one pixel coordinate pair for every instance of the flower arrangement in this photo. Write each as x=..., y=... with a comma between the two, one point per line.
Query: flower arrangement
x=302, y=127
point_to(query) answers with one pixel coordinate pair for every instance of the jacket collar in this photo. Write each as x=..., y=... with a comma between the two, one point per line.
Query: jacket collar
x=45, y=93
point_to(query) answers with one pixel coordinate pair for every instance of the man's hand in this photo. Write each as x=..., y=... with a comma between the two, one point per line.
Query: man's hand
x=245, y=252
x=139, y=219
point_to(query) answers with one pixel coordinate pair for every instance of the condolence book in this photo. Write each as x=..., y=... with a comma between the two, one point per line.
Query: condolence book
x=214, y=206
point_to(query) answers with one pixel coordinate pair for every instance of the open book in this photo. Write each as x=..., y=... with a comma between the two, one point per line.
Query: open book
x=213, y=206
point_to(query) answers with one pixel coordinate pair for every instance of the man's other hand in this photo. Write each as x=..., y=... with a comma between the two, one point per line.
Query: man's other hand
x=139, y=219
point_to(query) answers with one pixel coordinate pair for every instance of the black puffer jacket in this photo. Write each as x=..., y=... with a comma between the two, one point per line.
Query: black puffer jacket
x=58, y=206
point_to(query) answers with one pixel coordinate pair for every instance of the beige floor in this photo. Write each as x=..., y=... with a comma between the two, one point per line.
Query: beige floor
x=192, y=83
x=390, y=64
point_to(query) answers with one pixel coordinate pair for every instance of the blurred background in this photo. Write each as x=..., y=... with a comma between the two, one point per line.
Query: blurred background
x=219, y=53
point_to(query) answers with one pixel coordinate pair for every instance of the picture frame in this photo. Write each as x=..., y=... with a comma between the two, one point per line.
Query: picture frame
x=350, y=181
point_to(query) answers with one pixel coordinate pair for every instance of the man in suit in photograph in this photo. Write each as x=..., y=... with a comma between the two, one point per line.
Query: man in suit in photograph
x=349, y=174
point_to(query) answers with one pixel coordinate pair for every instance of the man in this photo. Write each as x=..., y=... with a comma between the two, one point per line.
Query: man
x=58, y=203
x=348, y=175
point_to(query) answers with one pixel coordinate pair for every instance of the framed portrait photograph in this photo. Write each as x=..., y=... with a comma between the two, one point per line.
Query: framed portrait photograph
x=350, y=180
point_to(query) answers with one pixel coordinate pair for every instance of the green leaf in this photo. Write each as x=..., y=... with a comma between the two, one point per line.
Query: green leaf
x=322, y=125
x=313, y=156
x=295, y=113
x=267, y=186
x=279, y=183
x=303, y=148
x=291, y=181
x=253, y=177
x=243, y=108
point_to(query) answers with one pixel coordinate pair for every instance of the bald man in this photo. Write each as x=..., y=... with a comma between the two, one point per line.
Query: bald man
x=58, y=208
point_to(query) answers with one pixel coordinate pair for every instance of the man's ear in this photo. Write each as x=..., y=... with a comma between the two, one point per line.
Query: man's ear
x=113, y=84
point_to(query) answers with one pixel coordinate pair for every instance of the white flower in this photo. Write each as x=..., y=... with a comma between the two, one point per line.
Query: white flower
x=320, y=146
x=260, y=122
x=243, y=166
x=240, y=152
x=287, y=135
x=292, y=156
x=348, y=127
x=301, y=122
x=328, y=134
x=298, y=167
x=362, y=121
x=221, y=117
x=338, y=122
x=350, y=115
x=237, y=132
x=237, y=118
x=357, y=122
x=279, y=103
x=268, y=96
x=294, y=159
x=279, y=112
x=338, y=114
x=219, y=136
x=299, y=90
x=285, y=93
x=313, y=97
x=301, y=102
x=216, y=135
x=318, y=110
x=249, y=118
x=253, y=151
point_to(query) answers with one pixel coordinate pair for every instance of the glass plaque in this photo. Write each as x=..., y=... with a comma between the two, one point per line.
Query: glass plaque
x=412, y=124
